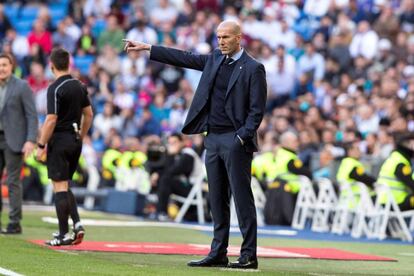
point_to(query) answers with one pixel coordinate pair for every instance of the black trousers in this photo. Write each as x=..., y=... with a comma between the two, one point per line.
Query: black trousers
x=229, y=173
x=168, y=185
x=13, y=162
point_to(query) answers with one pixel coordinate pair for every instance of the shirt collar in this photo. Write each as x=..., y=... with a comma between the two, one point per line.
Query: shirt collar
x=237, y=55
x=5, y=82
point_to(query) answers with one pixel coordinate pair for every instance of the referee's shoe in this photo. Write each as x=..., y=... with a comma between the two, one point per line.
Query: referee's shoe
x=60, y=240
x=78, y=234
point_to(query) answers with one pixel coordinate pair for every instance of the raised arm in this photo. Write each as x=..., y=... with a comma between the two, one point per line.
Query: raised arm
x=168, y=55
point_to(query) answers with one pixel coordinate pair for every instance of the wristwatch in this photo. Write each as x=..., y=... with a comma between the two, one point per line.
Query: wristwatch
x=41, y=146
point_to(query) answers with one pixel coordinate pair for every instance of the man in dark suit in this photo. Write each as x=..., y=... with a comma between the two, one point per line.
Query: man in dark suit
x=228, y=105
x=18, y=132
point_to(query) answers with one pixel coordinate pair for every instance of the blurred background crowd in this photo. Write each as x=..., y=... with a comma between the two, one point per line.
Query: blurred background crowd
x=338, y=71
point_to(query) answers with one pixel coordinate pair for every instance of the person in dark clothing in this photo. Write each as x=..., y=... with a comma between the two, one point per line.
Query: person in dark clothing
x=67, y=123
x=397, y=173
x=174, y=179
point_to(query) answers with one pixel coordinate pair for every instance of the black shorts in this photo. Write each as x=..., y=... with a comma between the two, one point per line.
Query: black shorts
x=63, y=152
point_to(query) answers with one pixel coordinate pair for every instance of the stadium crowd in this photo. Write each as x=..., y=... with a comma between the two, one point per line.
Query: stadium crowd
x=338, y=71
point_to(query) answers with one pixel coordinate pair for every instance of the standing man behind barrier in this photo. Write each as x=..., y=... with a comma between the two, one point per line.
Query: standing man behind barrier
x=397, y=174
x=284, y=173
x=229, y=105
x=18, y=133
x=69, y=117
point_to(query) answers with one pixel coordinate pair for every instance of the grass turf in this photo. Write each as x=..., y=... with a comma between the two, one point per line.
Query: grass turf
x=18, y=255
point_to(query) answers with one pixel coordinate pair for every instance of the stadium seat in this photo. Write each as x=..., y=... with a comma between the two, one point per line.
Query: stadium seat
x=195, y=197
x=347, y=203
x=364, y=211
x=83, y=63
x=29, y=13
x=23, y=26
x=98, y=27
x=259, y=201
x=390, y=216
x=11, y=11
x=325, y=206
x=305, y=204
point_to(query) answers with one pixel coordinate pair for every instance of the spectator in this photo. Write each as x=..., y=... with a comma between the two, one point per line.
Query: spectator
x=387, y=25
x=123, y=99
x=312, y=64
x=105, y=121
x=281, y=78
x=109, y=61
x=19, y=44
x=364, y=42
x=97, y=8
x=112, y=35
x=163, y=13
x=142, y=32
x=182, y=166
x=63, y=39
x=148, y=125
x=39, y=35
x=4, y=23
x=86, y=44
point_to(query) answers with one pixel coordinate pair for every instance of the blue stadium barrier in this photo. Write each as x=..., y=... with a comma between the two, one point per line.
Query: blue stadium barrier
x=57, y=10
x=98, y=27
x=29, y=13
x=23, y=26
x=83, y=63
x=129, y=203
x=11, y=11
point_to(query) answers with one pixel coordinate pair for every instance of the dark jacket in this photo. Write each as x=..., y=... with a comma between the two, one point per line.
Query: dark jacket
x=246, y=93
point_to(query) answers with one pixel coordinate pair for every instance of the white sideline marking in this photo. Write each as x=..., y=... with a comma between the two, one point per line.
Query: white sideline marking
x=406, y=254
x=6, y=272
x=117, y=223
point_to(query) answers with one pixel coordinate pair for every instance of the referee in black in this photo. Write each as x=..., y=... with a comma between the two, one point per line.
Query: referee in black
x=69, y=117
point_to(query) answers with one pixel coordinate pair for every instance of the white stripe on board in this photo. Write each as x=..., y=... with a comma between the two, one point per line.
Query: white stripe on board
x=6, y=272
x=118, y=223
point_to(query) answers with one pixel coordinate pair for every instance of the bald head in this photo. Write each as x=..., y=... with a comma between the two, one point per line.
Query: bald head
x=289, y=140
x=231, y=25
x=229, y=37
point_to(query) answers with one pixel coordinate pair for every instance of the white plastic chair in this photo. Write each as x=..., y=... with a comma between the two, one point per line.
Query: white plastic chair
x=195, y=197
x=390, y=216
x=259, y=201
x=342, y=220
x=325, y=205
x=305, y=203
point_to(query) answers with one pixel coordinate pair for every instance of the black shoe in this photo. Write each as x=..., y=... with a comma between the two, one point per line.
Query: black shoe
x=61, y=240
x=12, y=228
x=78, y=234
x=210, y=262
x=245, y=262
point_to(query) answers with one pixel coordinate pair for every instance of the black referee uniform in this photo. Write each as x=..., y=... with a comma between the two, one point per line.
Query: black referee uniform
x=66, y=97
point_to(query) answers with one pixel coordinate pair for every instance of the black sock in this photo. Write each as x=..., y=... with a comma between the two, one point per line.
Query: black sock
x=73, y=208
x=62, y=211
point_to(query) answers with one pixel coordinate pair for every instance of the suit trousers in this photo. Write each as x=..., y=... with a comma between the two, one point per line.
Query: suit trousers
x=228, y=167
x=13, y=162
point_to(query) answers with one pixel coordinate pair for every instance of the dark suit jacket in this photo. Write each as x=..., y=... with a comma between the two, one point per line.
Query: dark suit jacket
x=19, y=116
x=246, y=93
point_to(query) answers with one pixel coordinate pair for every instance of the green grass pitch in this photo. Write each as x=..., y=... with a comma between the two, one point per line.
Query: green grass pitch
x=20, y=256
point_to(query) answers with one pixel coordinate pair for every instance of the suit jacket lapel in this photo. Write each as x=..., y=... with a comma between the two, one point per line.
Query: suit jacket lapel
x=236, y=72
x=9, y=91
x=215, y=69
